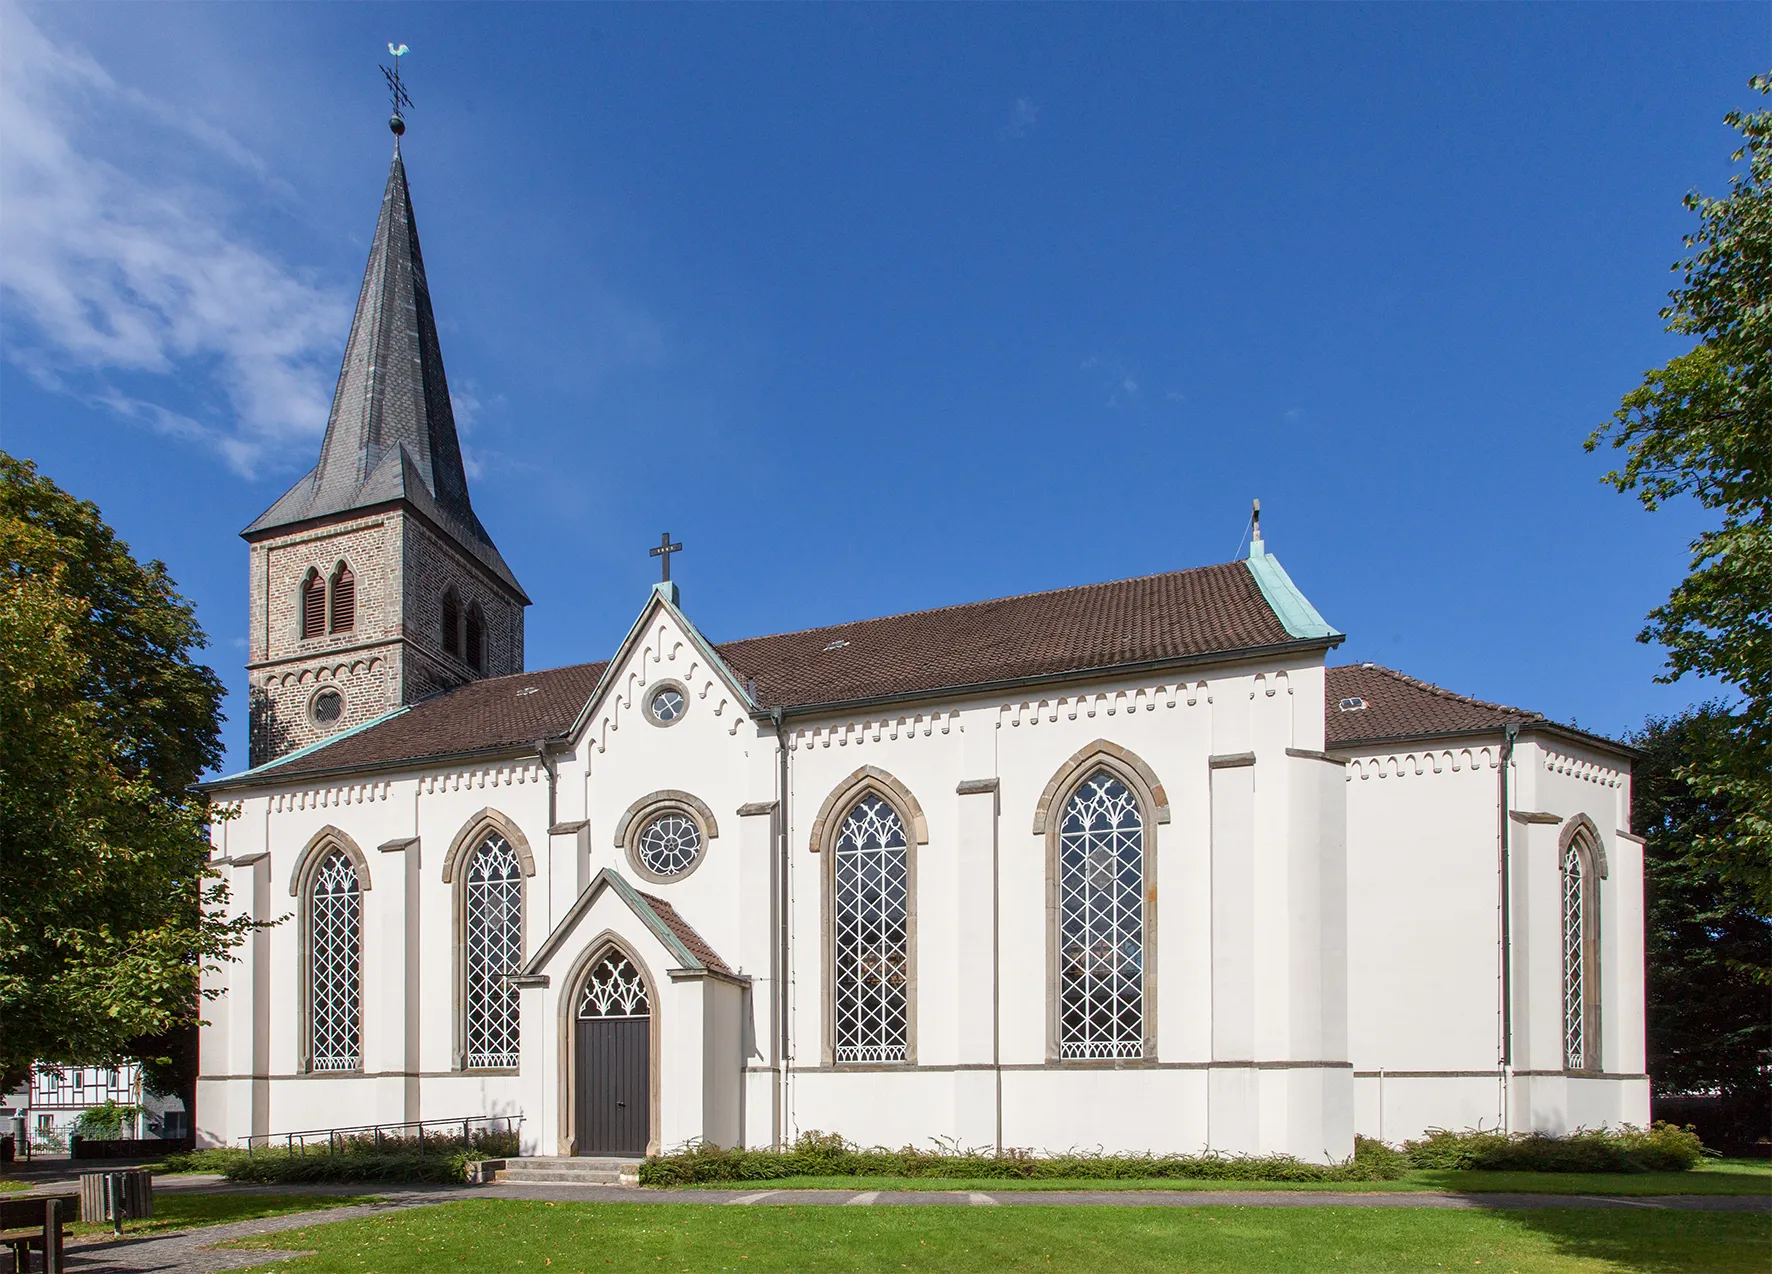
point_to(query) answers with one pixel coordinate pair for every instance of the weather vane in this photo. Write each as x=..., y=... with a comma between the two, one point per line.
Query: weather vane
x=396, y=90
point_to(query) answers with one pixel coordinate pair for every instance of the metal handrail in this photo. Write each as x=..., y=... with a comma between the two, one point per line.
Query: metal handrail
x=292, y=1140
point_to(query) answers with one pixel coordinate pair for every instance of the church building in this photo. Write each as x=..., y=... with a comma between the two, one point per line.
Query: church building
x=1131, y=865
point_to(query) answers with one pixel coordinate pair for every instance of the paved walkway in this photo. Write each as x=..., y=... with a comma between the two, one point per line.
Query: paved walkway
x=191, y=1252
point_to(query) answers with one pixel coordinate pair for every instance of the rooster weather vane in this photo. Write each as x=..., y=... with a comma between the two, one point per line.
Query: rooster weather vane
x=396, y=90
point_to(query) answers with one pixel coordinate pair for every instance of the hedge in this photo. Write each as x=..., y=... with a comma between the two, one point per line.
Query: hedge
x=353, y=1159
x=1660, y=1148
x=828, y=1155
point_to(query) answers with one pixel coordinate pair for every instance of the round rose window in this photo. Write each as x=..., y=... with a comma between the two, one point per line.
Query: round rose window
x=670, y=844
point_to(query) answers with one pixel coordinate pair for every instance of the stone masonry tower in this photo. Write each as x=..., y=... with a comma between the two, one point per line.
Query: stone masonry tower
x=373, y=584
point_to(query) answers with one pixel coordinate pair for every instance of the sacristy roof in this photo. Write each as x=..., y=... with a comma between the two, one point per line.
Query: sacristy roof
x=1395, y=706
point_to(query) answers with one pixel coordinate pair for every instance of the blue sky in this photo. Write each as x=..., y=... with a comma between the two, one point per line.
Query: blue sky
x=883, y=308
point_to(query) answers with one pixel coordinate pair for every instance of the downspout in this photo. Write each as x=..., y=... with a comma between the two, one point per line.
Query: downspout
x=781, y=902
x=1509, y=733
x=541, y=754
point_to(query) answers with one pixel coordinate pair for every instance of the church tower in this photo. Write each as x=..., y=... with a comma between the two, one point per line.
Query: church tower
x=373, y=584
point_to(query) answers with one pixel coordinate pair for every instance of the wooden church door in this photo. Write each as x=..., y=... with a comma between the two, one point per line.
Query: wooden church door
x=613, y=1055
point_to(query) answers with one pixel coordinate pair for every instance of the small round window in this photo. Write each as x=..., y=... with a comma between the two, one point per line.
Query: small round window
x=327, y=707
x=667, y=703
x=670, y=844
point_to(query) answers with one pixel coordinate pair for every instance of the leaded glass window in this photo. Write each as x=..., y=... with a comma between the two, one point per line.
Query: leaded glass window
x=670, y=844
x=335, y=933
x=494, y=904
x=1101, y=922
x=1575, y=972
x=614, y=989
x=872, y=921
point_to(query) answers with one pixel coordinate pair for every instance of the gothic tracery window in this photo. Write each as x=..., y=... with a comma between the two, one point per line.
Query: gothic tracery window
x=614, y=989
x=1101, y=922
x=871, y=897
x=335, y=932
x=493, y=897
x=1580, y=1047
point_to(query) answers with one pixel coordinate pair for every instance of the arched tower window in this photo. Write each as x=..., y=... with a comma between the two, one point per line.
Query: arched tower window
x=313, y=606
x=344, y=599
x=474, y=638
x=1101, y=921
x=451, y=622
x=493, y=897
x=335, y=943
x=871, y=913
x=1581, y=954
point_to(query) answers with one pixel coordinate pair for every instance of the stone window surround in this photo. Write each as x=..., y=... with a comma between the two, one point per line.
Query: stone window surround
x=869, y=780
x=301, y=881
x=1142, y=782
x=1581, y=832
x=473, y=833
x=664, y=683
x=665, y=801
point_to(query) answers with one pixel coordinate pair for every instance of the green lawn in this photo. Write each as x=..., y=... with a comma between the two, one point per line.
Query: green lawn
x=184, y=1210
x=1722, y=1176
x=665, y=1238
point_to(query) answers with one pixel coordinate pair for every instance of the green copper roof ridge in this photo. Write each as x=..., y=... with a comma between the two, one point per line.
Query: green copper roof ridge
x=1290, y=606
x=263, y=771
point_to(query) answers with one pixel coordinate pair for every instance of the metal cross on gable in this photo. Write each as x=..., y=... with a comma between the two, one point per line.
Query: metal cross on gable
x=664, y=550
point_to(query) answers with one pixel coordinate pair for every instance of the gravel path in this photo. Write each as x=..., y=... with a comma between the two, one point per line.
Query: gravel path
x=192, y=1252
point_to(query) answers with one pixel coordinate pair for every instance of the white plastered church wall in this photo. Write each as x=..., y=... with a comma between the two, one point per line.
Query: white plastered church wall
x=1425, y=937
x=1267, y=1072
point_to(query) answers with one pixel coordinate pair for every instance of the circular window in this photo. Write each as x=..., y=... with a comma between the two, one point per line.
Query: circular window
x=670, y=844
x=666, y=703
x=327, y=707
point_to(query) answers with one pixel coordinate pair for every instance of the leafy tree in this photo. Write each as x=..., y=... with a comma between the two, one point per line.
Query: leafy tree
x=1709, y=939
x=105, y=722
x=1702, y=427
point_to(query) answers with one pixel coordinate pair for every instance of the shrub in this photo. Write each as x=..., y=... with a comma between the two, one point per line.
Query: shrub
x=1661, y=1148
x=818, y=1154
x=441, y=1159
x=104, y=1122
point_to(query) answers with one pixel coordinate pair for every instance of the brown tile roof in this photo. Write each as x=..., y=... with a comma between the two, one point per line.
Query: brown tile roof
x=1204, y=611
x=686, y=934
x=1401, y=707
x=1197, y=612
x=482, y=716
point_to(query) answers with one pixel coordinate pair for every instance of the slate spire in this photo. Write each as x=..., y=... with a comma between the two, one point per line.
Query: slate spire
x=391, y=433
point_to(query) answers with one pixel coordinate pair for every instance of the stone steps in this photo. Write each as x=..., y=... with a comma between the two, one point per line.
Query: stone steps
x=565, y=1171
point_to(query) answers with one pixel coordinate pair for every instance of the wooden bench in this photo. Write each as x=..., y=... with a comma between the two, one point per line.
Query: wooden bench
x=35, y=1225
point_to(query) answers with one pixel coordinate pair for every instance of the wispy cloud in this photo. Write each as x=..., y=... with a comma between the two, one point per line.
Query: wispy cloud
x=1116, y=378
x=125, y=286
x=1024, y=113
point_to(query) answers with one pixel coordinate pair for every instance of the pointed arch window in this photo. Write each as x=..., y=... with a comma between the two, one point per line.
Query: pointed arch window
x=474, y=638
x=493, y=898
x=335, y=976
x=871, y=913
x=313, y=606
x=1581, y=951
x=614, y=988
x=1101, y=937
x=344, y=599
x=451, y=622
